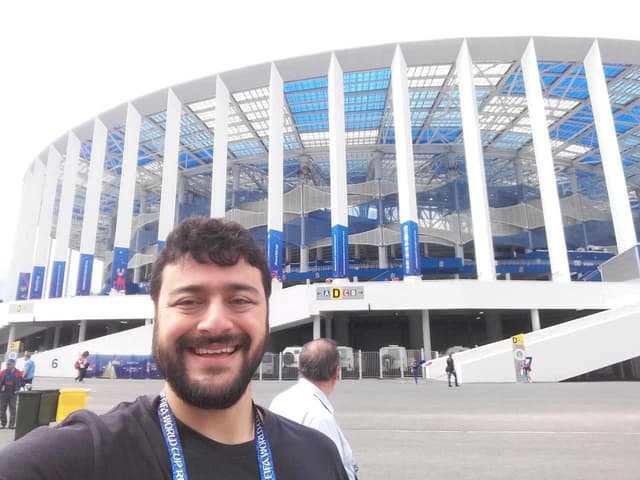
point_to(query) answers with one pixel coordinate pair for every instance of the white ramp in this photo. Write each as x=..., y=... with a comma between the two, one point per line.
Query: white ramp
x=559, y=352
x=58, y=362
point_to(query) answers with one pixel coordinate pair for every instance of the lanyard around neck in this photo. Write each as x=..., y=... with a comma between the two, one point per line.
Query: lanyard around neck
x=169, y=429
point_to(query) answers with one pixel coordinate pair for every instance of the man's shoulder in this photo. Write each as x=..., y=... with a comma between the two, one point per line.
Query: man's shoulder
x=83, y=442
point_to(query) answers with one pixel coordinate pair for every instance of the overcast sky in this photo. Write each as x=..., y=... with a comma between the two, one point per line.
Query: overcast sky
x=67, y=61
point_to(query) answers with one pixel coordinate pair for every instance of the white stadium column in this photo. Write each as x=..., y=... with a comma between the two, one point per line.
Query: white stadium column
x=10, y=339
x=407, y=205
x=122, y=238
x=316, y=326
x=220, y=135
x=609, y=151
x=480, y=218
x=338, y=171
x=276, y=169
x=22, y=261
x=535, y=319
x=91, y=208
x=82, y=331
x=56, y=336
x=169, y=168
x=65, y=215
x=41, y=254
x=426, y=333
x=551, y=210
x=328, y=324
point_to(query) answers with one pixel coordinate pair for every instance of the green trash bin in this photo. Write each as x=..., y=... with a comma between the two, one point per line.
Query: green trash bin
x=48, y=407
x=35, y=408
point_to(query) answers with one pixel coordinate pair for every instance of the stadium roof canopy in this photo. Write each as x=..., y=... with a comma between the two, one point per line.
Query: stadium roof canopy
x=435, y=120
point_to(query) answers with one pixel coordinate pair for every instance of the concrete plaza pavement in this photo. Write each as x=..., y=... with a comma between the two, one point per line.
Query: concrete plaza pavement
x=400, y=430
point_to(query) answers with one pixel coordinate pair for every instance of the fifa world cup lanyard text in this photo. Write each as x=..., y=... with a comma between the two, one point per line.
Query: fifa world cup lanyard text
x=176, y=455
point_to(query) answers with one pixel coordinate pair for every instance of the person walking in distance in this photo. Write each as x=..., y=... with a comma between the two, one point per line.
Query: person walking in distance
x=82, y=364
x=10, y=383
x=28, y=371
x=210, y=288
x=307, y=402
x=451, y=370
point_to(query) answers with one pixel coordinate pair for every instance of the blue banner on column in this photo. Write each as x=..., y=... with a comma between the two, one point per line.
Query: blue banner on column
x=161, y=244
x=57, y=279
x=119, y=269
x=340, y=250
x=23, y=285
x=37, y=283
x=274, y=253
x=85, y=270
x=410, y=248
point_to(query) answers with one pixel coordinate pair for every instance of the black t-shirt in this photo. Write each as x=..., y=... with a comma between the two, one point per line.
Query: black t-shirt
x=127, y=443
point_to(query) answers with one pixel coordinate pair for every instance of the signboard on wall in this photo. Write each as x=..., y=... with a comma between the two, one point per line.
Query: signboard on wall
x=340, y=293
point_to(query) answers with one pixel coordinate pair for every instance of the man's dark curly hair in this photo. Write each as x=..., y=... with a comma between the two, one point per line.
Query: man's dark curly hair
x=209, y=240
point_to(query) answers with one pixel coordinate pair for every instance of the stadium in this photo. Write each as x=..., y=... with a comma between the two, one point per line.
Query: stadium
x=476, y=195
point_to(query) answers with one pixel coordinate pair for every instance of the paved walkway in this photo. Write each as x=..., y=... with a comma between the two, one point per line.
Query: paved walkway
x=399, y=430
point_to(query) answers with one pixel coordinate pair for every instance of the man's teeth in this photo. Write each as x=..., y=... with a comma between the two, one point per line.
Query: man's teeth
x=213, y=351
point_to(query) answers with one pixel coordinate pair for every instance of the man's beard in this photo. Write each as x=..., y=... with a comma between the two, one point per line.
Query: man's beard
x=202, y=394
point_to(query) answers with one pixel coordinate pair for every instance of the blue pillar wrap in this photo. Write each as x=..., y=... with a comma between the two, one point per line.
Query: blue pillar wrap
x=119, y=269
x=274, y=253
x=85, y=270
x=57, y=279
x=37, y=283
x=161, y=244
x=410, y=248
x=340, y=250
x=23, y=285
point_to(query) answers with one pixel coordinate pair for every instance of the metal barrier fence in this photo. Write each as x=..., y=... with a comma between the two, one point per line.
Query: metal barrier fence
x=388, y=362
x=381, y=364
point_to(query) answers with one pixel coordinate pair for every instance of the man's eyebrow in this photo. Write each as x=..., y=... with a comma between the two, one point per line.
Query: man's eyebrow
x=240, y=287
x=186, y=289
x=231, y=287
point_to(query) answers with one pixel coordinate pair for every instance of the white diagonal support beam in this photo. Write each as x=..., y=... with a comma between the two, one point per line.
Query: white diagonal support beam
x=276, y=175
x=480, y=218
x=169, y=168
x=609, y=151
x=407, y=204
x=551, y=210
x=220, y=142
x=338, y=170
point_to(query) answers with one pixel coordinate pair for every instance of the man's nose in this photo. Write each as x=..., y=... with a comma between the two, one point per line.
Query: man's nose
x=215, y=318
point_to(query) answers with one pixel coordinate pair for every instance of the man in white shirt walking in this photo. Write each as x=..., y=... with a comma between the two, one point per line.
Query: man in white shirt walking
x=307, y=402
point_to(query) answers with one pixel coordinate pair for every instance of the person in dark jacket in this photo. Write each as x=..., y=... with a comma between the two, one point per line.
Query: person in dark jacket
x=10, y=384
x=451, y=370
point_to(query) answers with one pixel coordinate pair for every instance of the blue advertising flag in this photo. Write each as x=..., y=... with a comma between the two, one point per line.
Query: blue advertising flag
x=85, y=270
x=274, y=253
x=119, y=269
x=57, y=279
x=410, y=248
x=37, y=283
x=23, y=285
x=340, y=250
